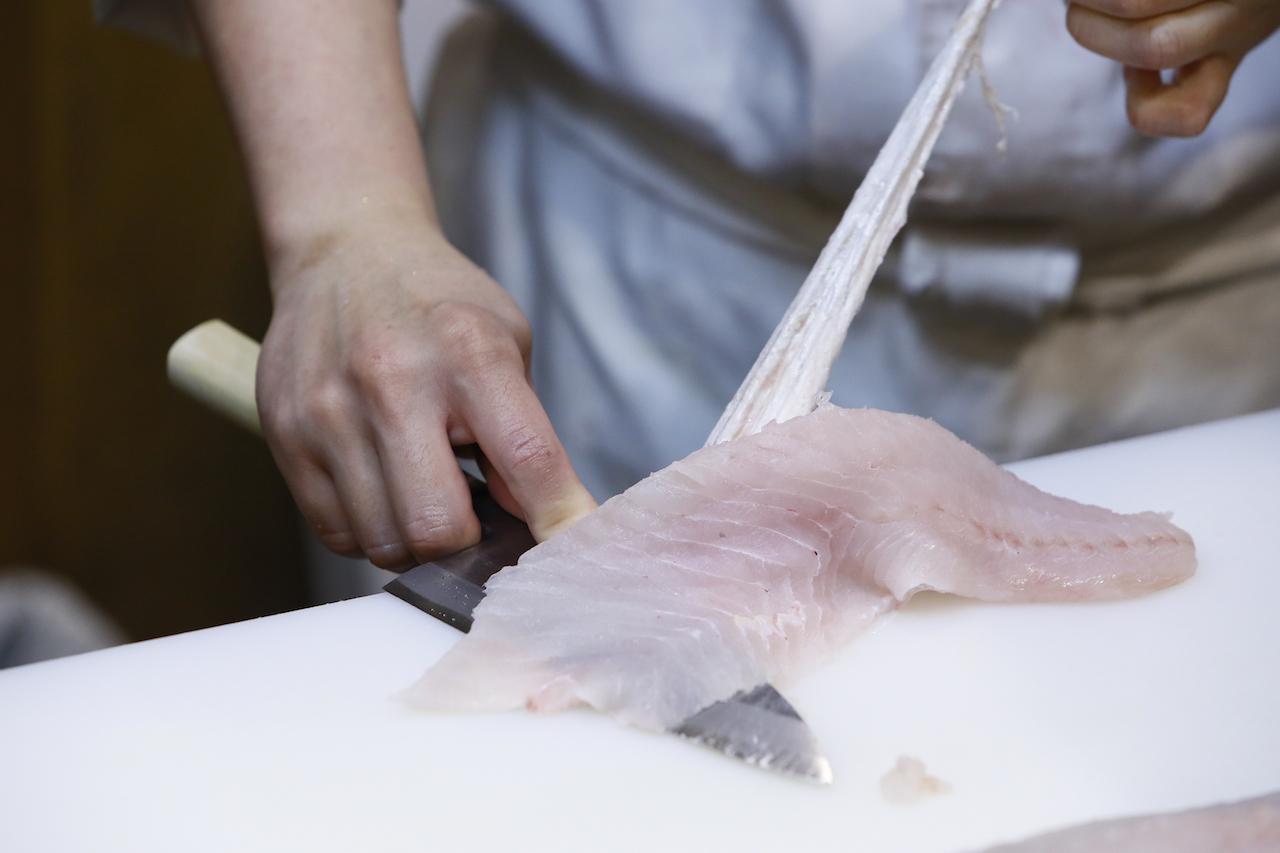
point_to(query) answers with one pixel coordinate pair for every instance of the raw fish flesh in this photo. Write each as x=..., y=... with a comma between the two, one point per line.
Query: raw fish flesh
x=909, y=782
x=1248, y=826
x=748, y=560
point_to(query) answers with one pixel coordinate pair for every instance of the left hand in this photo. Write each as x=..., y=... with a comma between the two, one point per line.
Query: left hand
x=1201, y=41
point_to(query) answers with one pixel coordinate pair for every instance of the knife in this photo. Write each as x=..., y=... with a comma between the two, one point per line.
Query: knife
x=216, y=364
x=758, y=726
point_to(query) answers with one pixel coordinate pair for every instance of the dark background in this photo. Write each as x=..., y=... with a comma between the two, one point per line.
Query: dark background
x=125, y=220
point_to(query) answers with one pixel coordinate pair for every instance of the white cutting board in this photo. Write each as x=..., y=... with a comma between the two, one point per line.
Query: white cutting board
x=281, y=734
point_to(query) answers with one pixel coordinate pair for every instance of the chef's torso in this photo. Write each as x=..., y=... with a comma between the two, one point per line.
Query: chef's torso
x=805, y=91
x=654, y=192
x=653, y=179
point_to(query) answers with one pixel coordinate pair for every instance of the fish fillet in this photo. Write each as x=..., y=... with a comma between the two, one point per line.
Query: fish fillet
x=1248, y=826
x=748, y=560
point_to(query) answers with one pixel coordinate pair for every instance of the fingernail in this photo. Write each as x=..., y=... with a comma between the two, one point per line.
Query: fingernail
x=343, y=542
x=392, y=556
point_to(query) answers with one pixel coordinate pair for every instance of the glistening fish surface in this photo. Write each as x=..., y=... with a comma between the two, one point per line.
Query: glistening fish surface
x=748, y=561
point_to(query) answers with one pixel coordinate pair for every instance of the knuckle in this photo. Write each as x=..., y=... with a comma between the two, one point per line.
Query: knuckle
x=325, y=405
x=523, y=334
x=435, y=534
x=532, y=453
x=1158, y=45
x=374, y=367
x=473, y=335
x=384, y=376
x=276, y=415
x=278, y=424
x=287, y=435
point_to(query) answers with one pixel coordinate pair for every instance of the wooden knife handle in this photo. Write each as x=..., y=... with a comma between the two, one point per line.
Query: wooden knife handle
x=218, y=365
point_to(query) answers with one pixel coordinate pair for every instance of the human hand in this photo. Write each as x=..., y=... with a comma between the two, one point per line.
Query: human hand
x=387, y=349
x=1201, y=41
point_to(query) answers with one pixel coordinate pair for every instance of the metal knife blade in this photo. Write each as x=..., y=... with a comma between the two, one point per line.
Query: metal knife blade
x=450, y=588
x=757, y=726
x=760, y=727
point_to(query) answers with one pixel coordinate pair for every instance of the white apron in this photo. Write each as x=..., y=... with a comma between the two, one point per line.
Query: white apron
x=653, y=183
x=653, y=178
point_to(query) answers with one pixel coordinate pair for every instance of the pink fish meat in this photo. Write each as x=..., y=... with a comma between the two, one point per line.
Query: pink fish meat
x=1248, y=826
x=747, y=561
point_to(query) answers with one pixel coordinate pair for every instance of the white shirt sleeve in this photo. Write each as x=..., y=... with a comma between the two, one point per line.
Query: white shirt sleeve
x=168, y=21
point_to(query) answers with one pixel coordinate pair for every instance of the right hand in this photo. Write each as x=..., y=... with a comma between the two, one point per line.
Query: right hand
x=387, y=349
x=1202, y=41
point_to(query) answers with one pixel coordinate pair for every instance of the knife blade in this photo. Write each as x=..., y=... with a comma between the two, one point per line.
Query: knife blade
x=215, y=363
x=757, y=726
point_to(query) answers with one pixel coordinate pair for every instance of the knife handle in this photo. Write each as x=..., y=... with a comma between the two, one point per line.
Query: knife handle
x=218, y=365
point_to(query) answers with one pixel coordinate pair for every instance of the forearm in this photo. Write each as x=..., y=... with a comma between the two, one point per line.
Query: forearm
x=317, y=93
x=387, y=348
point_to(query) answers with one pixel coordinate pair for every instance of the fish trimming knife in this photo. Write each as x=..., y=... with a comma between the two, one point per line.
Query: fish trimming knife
x=217, y=364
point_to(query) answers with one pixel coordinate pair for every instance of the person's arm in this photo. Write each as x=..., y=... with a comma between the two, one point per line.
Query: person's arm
x=386, y=346
x=1201, y=41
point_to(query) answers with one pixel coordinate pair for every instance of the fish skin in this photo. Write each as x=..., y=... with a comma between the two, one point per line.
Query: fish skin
x=747, y=561
x=1246, y=826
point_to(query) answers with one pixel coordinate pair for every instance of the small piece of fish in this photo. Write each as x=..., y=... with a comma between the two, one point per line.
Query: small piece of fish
x=909, y=782
x=748, y=560
x=1247, y=826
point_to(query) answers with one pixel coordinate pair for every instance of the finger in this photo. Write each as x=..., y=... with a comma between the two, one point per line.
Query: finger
x=1167, y=41
x=1183, y=107
x=498, y=487
x=313, y=491
x=1136, y=9
x=517, y=438
x=429, y=495
x=292, y=445
x=460, y=437
x=357, y=477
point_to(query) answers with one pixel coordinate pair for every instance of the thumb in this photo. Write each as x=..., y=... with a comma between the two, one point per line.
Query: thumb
x=561, y=515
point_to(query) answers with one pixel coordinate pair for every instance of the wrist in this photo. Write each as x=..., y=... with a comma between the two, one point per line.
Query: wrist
x=302, y=236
